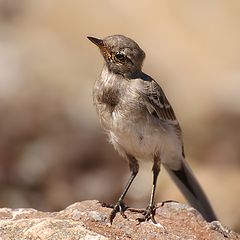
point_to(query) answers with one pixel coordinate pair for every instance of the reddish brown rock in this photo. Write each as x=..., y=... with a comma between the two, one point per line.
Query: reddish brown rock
x=89, y=220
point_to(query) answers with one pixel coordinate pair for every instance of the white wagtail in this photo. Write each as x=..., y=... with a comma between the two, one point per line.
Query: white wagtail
x=141, y=123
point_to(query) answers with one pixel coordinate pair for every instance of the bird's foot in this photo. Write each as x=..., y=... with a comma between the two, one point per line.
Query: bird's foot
x=120, y=207
x=137, y=210
x=148, y=214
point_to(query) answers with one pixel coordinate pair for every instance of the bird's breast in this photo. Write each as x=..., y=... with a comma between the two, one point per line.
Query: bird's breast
x=133, y=134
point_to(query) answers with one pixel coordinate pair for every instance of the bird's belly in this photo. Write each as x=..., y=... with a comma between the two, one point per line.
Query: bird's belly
x=137, y=138
x=144, y=138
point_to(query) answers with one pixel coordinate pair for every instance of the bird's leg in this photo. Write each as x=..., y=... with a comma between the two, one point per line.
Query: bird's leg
x=120, y=205
x=151, y=209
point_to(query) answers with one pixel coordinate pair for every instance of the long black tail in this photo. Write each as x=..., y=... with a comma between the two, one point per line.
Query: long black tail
x=189, y=186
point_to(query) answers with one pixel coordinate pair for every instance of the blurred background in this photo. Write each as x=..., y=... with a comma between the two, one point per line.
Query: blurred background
x=52, y=149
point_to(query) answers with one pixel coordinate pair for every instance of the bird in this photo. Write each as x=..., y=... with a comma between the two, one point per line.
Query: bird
x=141, y=124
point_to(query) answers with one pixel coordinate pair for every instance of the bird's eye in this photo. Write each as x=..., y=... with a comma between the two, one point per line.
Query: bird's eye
x=120, y=56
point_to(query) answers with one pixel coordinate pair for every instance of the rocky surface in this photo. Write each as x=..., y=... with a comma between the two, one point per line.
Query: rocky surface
x=89, y=220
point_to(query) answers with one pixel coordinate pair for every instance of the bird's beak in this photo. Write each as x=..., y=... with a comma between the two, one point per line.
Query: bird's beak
x=99, y=42
x=96, y=41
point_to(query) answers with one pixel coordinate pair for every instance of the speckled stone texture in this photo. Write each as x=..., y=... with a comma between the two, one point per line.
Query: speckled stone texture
x=89, y=220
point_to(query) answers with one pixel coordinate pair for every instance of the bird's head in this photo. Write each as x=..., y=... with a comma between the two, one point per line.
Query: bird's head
x=121, y=54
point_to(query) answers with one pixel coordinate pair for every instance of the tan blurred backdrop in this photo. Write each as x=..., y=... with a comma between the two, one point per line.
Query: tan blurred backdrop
x=52, y=150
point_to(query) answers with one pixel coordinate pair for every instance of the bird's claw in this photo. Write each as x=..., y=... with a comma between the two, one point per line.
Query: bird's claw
x=148, y=214
x=119, y=207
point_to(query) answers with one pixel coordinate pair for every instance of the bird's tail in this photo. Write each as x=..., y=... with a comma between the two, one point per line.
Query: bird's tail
x=189, y=186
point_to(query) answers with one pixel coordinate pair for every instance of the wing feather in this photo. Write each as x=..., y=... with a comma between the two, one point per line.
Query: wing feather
x=159, y=106
x=158, y=102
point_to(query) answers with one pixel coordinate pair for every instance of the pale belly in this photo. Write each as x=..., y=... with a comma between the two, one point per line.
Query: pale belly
x=145, y=138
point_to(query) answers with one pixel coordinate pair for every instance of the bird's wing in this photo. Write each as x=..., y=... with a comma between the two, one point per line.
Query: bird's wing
x=157, y=103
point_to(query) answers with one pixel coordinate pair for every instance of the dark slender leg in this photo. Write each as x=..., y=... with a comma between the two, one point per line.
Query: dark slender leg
x=120, y=206
x=150, y=211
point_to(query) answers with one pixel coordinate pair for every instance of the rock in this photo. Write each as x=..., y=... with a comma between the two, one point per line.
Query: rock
x=89, y=220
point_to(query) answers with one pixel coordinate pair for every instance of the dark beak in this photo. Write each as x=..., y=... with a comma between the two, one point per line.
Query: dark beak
x=104, y=50
x=96, y=41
